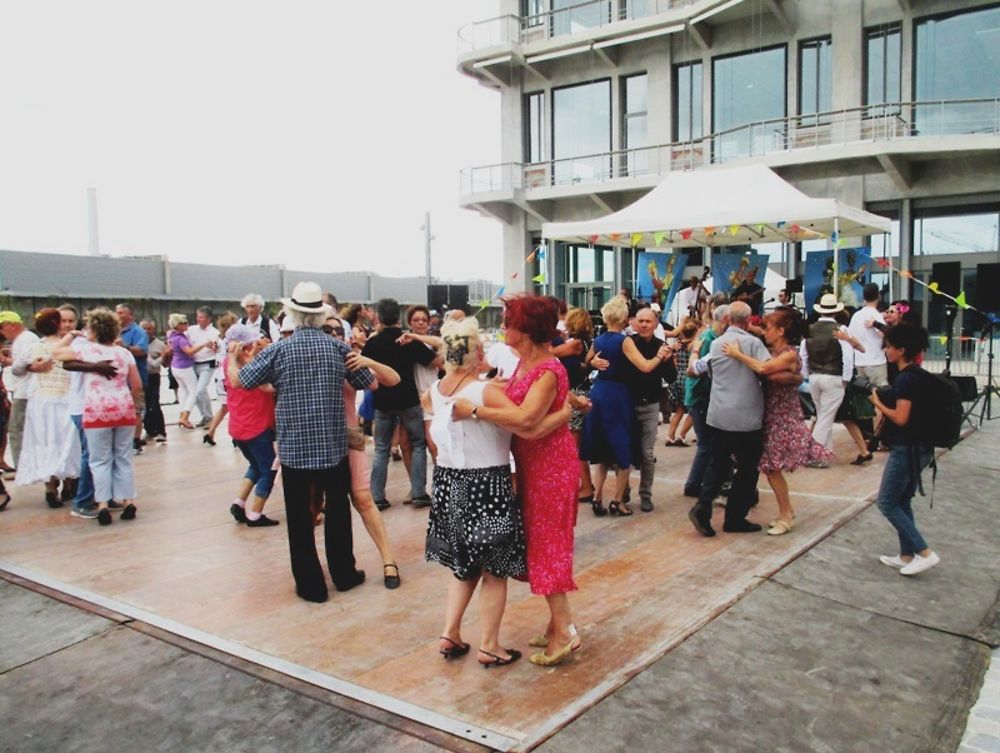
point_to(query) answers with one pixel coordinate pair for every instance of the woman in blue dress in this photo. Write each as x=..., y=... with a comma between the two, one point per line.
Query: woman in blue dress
x=608, y=428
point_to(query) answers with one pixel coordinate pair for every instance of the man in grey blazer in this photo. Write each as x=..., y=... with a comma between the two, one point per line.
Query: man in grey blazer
x=735, y=418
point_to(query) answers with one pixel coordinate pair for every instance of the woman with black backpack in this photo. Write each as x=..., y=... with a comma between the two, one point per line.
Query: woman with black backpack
x=903, y=404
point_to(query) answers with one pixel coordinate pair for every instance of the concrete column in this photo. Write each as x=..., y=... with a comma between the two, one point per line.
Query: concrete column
x=515, y=244
x=167, y=283
x=905, y=264
x=848, y=54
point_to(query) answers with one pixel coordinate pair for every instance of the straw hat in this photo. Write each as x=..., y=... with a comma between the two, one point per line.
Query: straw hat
x=828, y=304
x=307, y=297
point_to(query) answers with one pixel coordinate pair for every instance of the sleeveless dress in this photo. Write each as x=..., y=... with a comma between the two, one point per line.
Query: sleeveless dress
x=51, y=444
x=548, y=475
x=475, y=522
x=788, y=443
x=608, y=428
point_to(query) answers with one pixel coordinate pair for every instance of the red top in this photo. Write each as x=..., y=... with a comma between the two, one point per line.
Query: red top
x=251, y=412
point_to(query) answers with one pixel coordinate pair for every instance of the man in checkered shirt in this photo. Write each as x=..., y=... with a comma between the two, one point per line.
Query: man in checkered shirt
x=307, y=370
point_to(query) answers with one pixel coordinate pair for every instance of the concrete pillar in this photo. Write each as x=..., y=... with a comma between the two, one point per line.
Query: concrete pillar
x=515, y=243
x=905, y=263
x=848, y=54
x=167, y=284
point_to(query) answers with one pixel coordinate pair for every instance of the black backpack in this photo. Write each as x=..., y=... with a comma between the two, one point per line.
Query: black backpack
x=938, y=412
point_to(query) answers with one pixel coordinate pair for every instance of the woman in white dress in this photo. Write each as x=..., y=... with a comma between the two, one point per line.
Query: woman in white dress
x=51, y=447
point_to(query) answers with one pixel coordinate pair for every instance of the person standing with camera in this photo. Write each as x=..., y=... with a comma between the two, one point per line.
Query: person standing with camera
x=903, y=405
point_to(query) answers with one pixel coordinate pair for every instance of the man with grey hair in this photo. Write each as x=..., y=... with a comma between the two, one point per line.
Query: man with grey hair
x=257, y=319
x=204, y=360
x=735, y=419
x=308, y=370
x=696, y=392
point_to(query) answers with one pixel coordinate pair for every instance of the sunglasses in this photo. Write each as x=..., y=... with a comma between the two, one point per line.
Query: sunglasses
x=331, y=330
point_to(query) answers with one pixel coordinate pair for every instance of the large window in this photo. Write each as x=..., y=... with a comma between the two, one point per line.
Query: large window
x=815, y=76
x=687, y=102
x=747, y=90
x=882, y=66
x=634, y=130
x=581, y=132
x=571, y=16
x=533, y=11
x=957, y=234
x=957, y=57
x=534, y=127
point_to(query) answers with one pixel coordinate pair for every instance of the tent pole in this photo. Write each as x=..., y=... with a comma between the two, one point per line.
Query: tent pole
x=887, y=253
x=836, y=258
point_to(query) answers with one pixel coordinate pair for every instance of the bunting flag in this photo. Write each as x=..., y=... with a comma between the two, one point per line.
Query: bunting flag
x=933, y=287
x=884, y=263
x=710, y=230
x=942, y=339
x=541, y=253
x=686, y=234
x=658, y=237
x=614, y=236
x=760, y=228
x=500, y=290
x=514, y=276
x=483, y=304
x=734, y=229
x=636, y=239
x=592, y=239
x=842, y=242
x=794, y=230
x=780, y=224
x=539, y=279
x=907, y=274
x=531, y=257
x=834, y=236
x=960, y=300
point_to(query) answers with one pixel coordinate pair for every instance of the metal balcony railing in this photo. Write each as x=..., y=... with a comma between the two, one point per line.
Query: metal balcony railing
x=558, y=22
x=871, y=123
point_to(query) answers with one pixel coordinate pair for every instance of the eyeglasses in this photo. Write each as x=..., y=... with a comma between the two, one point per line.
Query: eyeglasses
x=330, y=330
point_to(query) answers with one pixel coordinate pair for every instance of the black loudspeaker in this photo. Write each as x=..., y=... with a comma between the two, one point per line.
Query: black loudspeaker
x=988, y=288
x=437, y=298
x=794, y=284
x=458, y=297
x=948, y=276
x=967, y=387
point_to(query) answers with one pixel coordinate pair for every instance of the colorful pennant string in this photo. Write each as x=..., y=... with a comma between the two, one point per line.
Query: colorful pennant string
x=933, y=287
x=658, y=237
x=686, y=234
x=636, y=239
x=539, y=279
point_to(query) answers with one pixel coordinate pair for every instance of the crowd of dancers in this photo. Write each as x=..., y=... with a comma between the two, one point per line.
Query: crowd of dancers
x=521, y=435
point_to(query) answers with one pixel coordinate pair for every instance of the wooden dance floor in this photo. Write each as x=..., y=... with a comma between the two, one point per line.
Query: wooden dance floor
x=645, y=584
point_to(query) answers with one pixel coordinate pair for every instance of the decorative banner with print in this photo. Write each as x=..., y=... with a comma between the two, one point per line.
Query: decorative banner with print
x=730, y=270
x=659, y=277
x=855, y=271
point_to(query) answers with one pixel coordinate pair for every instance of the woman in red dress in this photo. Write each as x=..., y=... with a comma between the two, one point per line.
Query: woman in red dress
x=547, y=468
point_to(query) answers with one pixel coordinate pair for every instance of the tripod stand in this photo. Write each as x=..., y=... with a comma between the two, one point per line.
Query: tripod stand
x=986, y=412
x=950, y=312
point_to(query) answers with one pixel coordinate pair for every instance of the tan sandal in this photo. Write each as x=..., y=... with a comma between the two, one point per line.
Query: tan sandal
x=780, y=528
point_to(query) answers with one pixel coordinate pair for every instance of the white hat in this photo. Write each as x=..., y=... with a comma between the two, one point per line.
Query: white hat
x=656, y=307
x=828, y=304
x=307, y=297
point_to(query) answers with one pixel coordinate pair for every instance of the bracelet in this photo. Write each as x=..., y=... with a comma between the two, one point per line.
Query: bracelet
x=475, y=414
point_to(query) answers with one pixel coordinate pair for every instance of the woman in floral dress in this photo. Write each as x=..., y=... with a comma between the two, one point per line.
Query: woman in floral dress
x=547, y=469
x=788, y=443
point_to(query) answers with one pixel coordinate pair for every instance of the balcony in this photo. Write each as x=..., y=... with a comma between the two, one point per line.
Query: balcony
x=891, y=133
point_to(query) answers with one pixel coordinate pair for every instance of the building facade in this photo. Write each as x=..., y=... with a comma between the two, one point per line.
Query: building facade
x=889, y=105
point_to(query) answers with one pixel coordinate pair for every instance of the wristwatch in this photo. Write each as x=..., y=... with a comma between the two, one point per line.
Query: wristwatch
x=475, y=414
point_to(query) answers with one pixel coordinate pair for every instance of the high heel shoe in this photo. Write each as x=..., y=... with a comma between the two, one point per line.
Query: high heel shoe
x=455, y=650
x=500, y=661
x=598, y=507
x=619, y=508
x=208, y=440
x=4, y=500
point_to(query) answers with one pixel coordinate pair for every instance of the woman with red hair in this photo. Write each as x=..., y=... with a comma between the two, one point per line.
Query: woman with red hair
x=547, y=469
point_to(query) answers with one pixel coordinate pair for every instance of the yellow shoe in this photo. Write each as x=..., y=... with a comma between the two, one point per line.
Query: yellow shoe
x=544, y=660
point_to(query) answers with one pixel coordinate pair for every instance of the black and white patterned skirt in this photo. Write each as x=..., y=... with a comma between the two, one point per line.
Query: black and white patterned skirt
x=475, y=523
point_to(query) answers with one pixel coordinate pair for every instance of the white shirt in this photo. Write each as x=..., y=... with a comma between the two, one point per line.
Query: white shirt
x=685, y=300
x=197, y=335
x=20, y=352
x=503, y=358
x=869, y=337
x=272, y=329
x=468, y=443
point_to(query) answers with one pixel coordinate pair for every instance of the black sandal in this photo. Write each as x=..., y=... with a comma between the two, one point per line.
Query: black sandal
x=620, y=508
x=391, y=581
x=598, y=507
x=498, y=661
x=455, y=650
x=862, y=459
x=6, y=500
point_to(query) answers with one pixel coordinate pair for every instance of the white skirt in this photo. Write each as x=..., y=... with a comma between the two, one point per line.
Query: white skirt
x=51, y=444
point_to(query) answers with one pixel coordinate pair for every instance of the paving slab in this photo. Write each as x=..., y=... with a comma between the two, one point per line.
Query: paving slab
x=123, y=690
x=33, y=626
x=784, y=671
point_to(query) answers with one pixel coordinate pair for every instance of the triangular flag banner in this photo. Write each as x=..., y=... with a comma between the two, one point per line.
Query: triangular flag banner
x=884, y=263
x=500, y=291
x=658, y=237
x=842, y=242
x=934, y=287
x=734, y=229
x=636, y=239
x=906, y=273
x=614, y=236
x=686, y=234
x=483, y=304
x=794, y=229
x=942, y=339
x=514, y=276
x=531, y=257
x=592, y=239
x=960, y=300
x=834, y=236
x=780, y=224
x=710, y=230
x=760, y=228
x=539, y=279
x=541, y=253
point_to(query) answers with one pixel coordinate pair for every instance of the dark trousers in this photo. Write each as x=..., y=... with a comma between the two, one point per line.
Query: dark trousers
x=298, y=485
x=153, y=420
x=746, y=447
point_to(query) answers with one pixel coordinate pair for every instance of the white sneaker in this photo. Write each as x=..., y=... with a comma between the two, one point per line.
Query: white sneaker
x=919, y=564
x=894, y=561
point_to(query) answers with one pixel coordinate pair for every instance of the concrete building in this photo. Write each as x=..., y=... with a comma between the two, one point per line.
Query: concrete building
x=890, y=105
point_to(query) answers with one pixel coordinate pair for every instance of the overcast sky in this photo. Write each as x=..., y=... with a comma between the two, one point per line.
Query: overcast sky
x=310, y=133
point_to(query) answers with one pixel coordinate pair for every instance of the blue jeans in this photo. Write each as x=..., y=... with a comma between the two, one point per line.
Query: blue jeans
x=702, y=454
x=259, y=452
x=895, y=494
x=412, y=420
x=85, y=484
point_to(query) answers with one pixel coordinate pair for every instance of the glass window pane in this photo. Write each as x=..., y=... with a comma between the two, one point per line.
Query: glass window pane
x=815, y=76
x=749, y=88
x=608, y=271
x=535, y=125
x=572, y=16
x=957, y=234
x=687, y=102
x=581, y=128
x=635, y=94
x=882, y=60
x=958, y=57
x=586, y=266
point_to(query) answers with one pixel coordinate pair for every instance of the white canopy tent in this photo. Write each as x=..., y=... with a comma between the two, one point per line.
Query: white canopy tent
x=725, y=206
